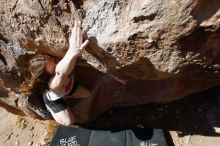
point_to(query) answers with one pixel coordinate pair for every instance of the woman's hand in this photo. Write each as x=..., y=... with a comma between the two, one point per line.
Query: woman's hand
x=75, y=41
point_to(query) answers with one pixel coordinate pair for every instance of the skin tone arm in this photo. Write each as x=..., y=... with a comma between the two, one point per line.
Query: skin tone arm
x=65, y=67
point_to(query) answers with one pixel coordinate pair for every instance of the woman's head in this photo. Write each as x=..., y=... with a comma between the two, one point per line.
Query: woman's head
x=39, y=69
x=37, y=64
x=42, y=63
x=50, y=65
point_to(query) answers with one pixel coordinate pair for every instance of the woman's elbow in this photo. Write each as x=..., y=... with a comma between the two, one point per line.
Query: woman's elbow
x=66, y=122
x=64, y=117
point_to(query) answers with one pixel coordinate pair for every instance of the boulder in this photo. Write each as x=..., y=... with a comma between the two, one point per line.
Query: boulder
x=140, y=51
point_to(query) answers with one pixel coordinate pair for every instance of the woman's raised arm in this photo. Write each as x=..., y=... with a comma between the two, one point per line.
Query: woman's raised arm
x=65, y=67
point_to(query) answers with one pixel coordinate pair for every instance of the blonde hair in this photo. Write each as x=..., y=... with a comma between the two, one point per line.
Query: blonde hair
x=37, y=79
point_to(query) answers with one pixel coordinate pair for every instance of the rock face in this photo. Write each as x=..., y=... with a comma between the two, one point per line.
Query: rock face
x=152, y=50
x=194, y=140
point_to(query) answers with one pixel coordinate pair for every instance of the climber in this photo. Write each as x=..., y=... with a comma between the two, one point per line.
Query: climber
x=57, y=77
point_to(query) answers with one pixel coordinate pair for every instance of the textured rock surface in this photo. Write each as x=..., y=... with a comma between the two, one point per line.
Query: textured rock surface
x=194, y=140
x=164, y=50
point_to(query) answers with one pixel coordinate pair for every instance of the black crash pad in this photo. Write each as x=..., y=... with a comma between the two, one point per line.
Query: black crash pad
x=71, y=136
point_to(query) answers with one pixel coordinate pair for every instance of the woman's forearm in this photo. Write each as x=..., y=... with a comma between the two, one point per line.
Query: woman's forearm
x=67, y=64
